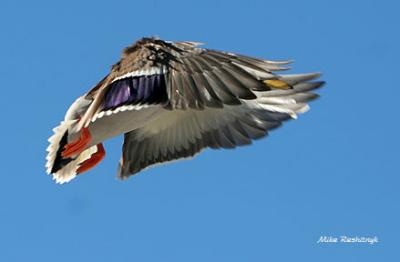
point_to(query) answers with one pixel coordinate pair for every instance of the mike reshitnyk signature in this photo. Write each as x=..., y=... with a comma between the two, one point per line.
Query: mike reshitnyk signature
x=347, y=239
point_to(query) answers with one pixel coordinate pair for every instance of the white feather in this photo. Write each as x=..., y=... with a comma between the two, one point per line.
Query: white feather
x=118, y=110
x=68, y=172
x=54, y=140
x=143, y=72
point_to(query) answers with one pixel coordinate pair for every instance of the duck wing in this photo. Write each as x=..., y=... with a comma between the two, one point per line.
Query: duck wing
x=180, y=134
x=191, y=77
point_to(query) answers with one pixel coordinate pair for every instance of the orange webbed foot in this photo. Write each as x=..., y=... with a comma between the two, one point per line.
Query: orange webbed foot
x=77, y=146
x=93, y=160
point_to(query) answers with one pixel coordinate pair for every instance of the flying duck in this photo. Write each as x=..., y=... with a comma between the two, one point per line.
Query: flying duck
x=171, y=100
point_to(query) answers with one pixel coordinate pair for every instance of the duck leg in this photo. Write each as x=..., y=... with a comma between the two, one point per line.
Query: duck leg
x=93, y=160
x=76, y=147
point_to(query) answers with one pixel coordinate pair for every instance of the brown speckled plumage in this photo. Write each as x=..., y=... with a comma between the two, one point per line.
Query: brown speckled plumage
x=172, y=99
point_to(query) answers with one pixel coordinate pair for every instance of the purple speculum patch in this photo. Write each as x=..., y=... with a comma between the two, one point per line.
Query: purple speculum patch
x=149, y=89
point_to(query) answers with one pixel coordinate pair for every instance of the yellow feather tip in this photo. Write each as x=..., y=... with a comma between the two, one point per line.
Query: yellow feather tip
x=277, y=84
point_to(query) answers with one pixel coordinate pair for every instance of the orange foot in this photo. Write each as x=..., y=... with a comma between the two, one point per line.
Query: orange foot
x=77, y=146
x=93, y=160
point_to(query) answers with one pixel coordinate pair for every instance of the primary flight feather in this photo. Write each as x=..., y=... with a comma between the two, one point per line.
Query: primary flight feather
x=171, y=100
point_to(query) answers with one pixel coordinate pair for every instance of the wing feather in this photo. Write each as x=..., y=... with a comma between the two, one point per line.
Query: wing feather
x=181, y=134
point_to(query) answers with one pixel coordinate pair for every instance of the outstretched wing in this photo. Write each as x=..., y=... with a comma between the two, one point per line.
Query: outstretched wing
x=183, y=133
x=201, y=78
x=192, y=77
x=198, y=77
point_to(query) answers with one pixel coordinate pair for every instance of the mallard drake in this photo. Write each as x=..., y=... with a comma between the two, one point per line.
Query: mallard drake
x=171, y=100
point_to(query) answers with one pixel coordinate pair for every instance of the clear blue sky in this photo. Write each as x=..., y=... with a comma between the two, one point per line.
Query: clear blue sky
x=331, y=172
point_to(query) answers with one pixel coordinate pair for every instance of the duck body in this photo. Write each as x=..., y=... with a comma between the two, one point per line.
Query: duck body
x=171, y=100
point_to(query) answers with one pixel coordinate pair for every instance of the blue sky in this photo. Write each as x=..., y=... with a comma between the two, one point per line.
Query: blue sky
x=332, y=172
